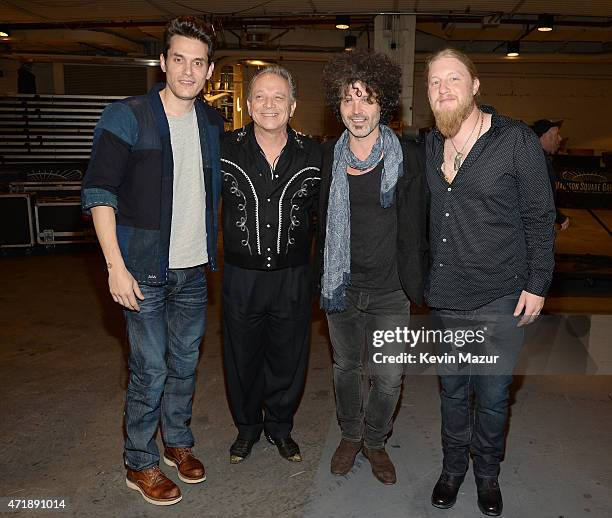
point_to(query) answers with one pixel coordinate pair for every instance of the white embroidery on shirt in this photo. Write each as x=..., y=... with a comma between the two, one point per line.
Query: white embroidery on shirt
x=242, y=222
x=254, y=196
x=280, y=203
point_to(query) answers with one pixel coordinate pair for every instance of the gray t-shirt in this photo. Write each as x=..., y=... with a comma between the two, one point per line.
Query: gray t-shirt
x=188, y=230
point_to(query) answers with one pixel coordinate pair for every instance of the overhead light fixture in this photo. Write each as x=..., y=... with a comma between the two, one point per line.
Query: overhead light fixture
x=545, y=22
x=350, y=42
x=343, y=22
x=4, y=32
x=257, y=62
x=514, y=48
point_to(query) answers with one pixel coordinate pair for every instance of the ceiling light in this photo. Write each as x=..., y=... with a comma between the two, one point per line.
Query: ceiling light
x=343, y=22
x=350, y=42
x=545, y=22
x=257, y=62
x=4, y=32
x=513, y=49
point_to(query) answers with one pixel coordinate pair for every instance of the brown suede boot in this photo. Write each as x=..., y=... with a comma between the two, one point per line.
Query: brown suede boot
x=382, y=467
x=344, y=456
x=154, y=486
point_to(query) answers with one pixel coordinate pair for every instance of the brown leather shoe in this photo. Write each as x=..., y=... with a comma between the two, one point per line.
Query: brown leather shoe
x=154, y=486
x=190, y=469
x=382, y=467
x=344, y=457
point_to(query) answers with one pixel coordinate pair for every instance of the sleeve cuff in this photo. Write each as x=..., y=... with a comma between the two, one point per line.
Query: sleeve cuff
x=95, y=197
x=537, y=287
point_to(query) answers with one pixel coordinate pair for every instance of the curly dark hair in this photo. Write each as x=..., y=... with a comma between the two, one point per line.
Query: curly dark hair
x=380, y=76
x=190, y=27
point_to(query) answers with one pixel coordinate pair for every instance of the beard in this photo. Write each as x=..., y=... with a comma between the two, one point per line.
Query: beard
x=449, y=121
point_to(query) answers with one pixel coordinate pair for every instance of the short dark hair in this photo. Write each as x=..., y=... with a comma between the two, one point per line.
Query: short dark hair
x=380, y=76
x=190, y=27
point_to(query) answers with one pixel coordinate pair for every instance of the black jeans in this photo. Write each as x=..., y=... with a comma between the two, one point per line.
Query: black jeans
x=480, y=429
x=351, y=337
x=266, y=331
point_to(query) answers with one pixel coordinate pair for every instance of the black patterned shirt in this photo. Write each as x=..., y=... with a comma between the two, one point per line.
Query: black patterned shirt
x=492, y=228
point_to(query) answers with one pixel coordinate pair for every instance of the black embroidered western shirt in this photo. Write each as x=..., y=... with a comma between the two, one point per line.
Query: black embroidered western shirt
x=492, y=228
x=267, y=211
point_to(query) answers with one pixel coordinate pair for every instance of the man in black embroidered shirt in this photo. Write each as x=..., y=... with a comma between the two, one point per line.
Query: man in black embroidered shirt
x=492, y=234
x=270, y=188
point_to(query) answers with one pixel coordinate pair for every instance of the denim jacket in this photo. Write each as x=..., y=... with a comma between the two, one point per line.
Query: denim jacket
x=131, y=169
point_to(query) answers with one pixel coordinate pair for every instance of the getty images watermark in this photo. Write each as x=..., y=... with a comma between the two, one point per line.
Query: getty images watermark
x=412, y=338
x=494, y=344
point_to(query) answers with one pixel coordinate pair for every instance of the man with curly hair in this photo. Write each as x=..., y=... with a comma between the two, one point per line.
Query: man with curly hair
x=372, y=211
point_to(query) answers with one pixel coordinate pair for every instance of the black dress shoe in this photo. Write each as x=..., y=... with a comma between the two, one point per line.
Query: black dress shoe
x=489, y=496
x=444, y=494
x=241, y=449
x=287, y=447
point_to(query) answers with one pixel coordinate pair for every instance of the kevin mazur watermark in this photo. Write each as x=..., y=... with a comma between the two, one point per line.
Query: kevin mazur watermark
x=407, y=337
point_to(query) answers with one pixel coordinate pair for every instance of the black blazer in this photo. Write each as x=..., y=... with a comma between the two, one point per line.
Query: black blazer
x=411, y=202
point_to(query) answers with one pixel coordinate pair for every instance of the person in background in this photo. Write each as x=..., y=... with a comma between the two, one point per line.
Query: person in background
x=550, y=139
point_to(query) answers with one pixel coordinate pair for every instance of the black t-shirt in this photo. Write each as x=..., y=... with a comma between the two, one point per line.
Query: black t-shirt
x=373, y=235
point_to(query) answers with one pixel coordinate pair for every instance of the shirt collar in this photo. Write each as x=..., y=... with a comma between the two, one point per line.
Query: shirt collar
x=294, y=139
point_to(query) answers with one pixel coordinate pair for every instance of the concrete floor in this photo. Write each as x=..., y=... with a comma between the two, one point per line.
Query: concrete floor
x=63, y=371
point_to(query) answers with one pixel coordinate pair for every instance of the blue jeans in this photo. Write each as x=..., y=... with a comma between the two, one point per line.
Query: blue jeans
x=479, y=429
x=165, y=337
x=351, y=337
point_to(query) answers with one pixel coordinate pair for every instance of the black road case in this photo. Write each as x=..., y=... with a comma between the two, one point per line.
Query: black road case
x=59, y=220
x=16, y=229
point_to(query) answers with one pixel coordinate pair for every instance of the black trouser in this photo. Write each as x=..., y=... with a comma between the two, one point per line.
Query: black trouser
x=481, y=430
x=266, y=326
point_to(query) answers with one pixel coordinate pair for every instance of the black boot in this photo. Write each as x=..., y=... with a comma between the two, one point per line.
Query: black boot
x=445, y=491
x=489, y=496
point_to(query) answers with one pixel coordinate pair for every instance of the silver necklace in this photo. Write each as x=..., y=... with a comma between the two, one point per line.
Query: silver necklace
x=459, y=154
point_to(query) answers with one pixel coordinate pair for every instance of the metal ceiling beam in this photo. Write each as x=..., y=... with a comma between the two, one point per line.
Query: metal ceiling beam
x=322, y=19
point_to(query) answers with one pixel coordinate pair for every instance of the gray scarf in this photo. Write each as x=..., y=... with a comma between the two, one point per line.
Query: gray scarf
x=337, y=254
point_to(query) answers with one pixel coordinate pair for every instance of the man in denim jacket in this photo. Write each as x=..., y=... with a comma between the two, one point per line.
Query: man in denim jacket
x=152, y=187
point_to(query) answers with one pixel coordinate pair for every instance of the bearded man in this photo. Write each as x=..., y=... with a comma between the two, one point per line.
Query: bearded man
x=492, y=234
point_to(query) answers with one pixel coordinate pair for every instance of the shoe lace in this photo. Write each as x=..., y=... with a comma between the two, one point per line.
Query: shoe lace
x=181, y=453
x=156, y=475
